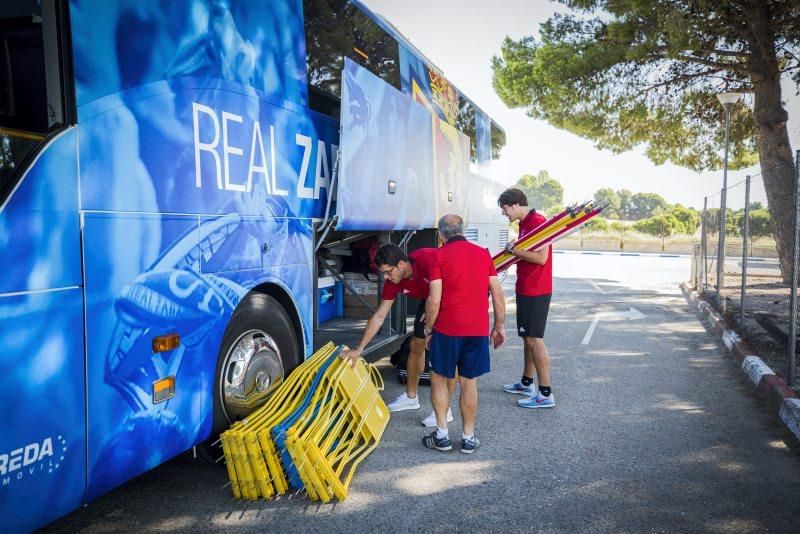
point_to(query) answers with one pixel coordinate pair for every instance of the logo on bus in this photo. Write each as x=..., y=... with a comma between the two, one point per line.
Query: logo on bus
x=218, y=134
x=33, y=459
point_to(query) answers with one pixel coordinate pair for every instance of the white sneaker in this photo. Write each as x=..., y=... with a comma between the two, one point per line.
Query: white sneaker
x=403, y=402
x=430, y=421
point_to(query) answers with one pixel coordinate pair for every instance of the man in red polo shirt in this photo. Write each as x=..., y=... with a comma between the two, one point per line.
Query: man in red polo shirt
x=534, y=289
x=457, y=319
x=410, y=275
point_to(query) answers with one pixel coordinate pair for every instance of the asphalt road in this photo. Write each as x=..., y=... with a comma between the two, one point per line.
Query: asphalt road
x=654, y=429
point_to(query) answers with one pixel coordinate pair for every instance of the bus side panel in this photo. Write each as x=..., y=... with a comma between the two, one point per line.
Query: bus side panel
x=42, y=443
x=203, y=267
x=137, y=289
x=42, y=387
x=222, y=152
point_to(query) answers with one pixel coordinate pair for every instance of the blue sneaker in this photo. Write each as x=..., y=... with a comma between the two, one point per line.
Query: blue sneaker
x=518, y=389
x=539, y=401
x=469, y=445
x=440, y=444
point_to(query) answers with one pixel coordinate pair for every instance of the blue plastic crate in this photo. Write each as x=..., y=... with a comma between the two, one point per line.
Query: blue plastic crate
x=326, y=298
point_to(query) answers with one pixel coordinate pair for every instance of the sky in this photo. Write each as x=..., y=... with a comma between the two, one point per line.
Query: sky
x=533, y=145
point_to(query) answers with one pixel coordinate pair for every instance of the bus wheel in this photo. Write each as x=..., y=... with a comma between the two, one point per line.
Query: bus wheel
x=257, y=352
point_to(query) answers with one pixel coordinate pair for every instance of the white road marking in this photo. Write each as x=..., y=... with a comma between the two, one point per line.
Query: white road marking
x=631, y=315
x=597, y=287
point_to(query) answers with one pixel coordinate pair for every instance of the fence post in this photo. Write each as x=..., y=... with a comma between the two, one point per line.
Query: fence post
x=793, y=289
x=704, y=244
x=745, y=236
x=721, y=252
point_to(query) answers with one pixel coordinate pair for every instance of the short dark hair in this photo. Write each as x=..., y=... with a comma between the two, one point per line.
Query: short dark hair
x=512, y=196
x=390, y=254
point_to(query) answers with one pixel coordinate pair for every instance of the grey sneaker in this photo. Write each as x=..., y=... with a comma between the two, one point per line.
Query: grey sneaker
x=518, y=389
x=469, y=445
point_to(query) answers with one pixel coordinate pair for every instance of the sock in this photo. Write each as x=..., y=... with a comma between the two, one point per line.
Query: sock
x=442, y=433
x=545, y=391
x=526, y=381
x=466, y=437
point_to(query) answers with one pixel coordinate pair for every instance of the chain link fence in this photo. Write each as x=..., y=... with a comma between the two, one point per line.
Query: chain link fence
x=743, y=277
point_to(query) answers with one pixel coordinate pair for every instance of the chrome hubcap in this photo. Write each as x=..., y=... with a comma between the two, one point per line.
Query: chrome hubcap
x=251, y=372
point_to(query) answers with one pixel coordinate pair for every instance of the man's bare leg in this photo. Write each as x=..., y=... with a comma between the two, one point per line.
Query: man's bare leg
x=468, y=403
x=440, y=398
x=415, y=365
x=530, y=358
x=541, y=359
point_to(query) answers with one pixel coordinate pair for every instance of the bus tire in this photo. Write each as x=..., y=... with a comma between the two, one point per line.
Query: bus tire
x=258, y=350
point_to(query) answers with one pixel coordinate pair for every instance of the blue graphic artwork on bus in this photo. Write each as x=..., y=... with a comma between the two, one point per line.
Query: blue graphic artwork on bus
x=388, y=153
x=43, y=441
x=200, y=171
x=192, y=176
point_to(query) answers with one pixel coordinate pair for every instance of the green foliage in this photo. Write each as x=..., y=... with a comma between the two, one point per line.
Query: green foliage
x=544, y=193
x=687, y=216
x=644, y=73
x=598, y=224
x=664, y=224
x=644, y=205
x=606, y=195
x=625, y=197
x=760, y=223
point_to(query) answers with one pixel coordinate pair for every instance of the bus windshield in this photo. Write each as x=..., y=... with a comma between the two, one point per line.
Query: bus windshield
x=24, y=121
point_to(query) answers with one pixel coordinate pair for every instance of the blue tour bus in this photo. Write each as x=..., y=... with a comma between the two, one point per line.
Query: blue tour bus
x=176, y=180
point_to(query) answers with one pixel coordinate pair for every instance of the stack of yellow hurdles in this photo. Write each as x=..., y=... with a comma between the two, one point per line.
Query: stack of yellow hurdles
x=311, y=434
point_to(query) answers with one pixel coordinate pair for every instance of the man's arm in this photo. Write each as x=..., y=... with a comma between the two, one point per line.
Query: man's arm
x=373, y=325
x=433, y=303
x=539, y=257
x=498, y=334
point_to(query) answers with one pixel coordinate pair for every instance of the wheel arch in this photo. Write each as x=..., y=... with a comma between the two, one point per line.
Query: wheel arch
x=289, y=304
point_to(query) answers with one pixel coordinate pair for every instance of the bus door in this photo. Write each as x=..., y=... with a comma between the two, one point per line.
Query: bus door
x=42, y=387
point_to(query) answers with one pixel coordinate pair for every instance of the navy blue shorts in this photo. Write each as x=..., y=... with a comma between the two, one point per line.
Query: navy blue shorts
x=468, y=354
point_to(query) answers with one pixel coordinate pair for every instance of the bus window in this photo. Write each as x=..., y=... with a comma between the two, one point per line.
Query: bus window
x=466, y=123
x=498, y=140
x=30, y=100
x=335, y=29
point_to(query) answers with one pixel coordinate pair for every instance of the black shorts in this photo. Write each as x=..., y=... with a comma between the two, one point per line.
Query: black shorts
x=532, y=315
x=419, y=324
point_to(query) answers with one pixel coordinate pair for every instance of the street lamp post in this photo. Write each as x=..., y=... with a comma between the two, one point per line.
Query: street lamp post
x=728, y=100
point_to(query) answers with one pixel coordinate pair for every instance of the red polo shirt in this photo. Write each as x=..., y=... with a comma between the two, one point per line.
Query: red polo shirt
x=422, y=261
x=465, y=269
x=534, y=279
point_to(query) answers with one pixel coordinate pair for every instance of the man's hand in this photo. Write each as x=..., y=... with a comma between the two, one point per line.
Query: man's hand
x=509, y=247
x=498, y=336
x=353, y=355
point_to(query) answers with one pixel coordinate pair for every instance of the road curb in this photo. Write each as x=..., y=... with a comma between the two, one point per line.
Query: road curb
x=610, y=253
x=776, y=391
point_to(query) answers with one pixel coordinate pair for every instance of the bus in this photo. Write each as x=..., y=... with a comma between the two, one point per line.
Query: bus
x=179, y=183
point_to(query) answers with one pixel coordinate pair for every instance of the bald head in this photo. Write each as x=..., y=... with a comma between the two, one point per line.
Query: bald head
x=450, y=226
